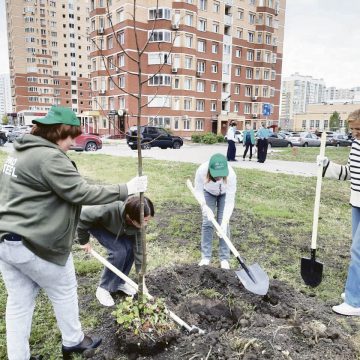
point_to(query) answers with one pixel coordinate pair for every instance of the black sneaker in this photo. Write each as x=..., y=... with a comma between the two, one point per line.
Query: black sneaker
x=88, y=345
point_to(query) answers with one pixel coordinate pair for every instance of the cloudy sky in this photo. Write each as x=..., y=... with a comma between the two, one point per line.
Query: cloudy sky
x=322, y=39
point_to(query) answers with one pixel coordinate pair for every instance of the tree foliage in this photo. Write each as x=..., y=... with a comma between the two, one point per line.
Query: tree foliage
x=335, y=121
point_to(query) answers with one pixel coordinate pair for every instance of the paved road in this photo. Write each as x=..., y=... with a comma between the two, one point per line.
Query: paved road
x=198, y=153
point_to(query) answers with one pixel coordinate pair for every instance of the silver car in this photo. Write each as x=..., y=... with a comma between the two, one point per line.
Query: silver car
x=304, y=139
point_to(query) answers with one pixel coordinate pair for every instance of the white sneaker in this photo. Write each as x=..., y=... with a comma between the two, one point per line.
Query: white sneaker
x=346, y=309
x=204, y=262
x=224, y=264
x=104, y=297
x=127, y=289
x=343, y=296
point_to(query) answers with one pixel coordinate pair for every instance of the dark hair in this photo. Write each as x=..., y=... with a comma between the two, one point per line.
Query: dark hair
x=132, y=208
x=210, y=178
x=54, y=133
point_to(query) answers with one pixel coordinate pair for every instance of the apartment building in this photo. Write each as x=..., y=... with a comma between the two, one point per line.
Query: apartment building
x=296, y=93
x=207, y=62
x=5, y=95
x=49, y=54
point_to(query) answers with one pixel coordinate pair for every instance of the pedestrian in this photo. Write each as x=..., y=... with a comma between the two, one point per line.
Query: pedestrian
x=231, y=151
x=262, y=143
x=117, y=227
x=248, y=141
x=215, y=186
x=41, y=193
x=351, y=171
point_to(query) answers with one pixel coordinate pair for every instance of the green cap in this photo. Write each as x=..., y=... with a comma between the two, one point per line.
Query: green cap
x=218, y=166
x=59, y=115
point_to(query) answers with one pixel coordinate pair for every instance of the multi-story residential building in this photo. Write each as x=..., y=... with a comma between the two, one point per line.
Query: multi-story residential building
x=296, y=93
x=5, y=95
x=207, y=62
x=49, y=54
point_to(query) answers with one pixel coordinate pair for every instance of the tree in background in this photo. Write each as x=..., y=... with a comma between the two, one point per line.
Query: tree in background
x=335, y=121
x=5, y=120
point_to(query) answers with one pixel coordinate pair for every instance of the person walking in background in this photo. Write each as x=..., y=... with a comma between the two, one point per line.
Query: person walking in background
x=117, y=227
x=41, y=193
x=215, y=186
x=262, y=143
x=248, y=141
x=231, y=151
x=351, y=171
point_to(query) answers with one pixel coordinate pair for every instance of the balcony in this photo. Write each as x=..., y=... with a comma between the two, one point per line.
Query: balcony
x=227, y=39
x=227, y=20
x=228, y=2
x=225, y=96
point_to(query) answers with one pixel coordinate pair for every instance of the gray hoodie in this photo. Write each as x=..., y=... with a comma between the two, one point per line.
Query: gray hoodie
x=41, y=193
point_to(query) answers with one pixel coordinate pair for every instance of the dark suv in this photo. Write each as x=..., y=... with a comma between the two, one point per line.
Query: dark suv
x=152, y=136
x=3, y=138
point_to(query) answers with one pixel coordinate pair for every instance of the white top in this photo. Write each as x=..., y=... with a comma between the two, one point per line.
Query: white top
x=350, y=171
x=216, y=188
x=230, y=135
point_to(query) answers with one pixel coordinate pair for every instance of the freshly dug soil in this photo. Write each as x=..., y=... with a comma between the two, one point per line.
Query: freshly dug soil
x=284, y=324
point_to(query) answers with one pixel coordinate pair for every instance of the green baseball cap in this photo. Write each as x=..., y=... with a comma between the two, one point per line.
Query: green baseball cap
x=59, y=115
x=218, y=166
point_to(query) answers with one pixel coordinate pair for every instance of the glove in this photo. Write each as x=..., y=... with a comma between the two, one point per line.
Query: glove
x=207, y=212
x=137, y=184
x=322, y=161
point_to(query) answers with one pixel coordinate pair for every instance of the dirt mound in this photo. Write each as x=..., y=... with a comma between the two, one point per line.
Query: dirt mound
x=284, y=324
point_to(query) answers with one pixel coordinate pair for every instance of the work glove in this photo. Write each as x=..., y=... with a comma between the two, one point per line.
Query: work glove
x=207, y=212
x=137, y=184
x=322, y=161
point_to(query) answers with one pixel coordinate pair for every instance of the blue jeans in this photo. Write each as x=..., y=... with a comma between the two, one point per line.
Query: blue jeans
x=352, y=287
x=24, y=274
x=120, y=254
x=207, y=230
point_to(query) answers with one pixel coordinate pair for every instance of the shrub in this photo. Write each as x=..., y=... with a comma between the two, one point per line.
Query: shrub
x=210, y=138
x=196, y=138
x=220, y=138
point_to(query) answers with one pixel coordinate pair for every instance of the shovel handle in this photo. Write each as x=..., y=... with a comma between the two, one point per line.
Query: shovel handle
x=122, y=276
x=317, y=193
x=211, y=217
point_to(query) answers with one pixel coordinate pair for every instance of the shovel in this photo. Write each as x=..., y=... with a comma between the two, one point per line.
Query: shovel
x=253, y=277
x=312, y=270
x=191, y=329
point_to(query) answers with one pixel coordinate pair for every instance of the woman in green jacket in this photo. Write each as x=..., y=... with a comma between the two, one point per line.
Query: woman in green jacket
x=41, y=193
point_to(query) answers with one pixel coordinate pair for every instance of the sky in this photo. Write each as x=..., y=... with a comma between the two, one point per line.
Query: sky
x=322, y=40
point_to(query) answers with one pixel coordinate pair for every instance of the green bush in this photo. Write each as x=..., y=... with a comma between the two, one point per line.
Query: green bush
x=196, y=138
x=220, y=138
x=210, y=138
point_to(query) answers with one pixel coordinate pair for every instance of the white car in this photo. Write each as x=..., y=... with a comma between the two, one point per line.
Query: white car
x=238, y=136
x=7, y=128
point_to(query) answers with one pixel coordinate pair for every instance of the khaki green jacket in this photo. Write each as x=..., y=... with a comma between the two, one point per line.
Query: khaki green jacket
x=41, y=194
x=111, y=217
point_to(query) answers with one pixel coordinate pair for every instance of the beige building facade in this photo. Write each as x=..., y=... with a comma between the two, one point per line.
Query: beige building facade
x=317, y=116
x=207, y=62
x=49, y=54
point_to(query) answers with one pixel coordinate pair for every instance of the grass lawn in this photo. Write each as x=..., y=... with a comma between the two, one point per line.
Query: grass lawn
x=271, y=224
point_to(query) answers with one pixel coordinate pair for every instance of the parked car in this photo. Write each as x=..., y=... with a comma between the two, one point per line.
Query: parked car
x=87, y=142
x=6, y=128
x=238, y=136
x=278, y=140
x=304, y=139
x=13, y=134
x=3, y=138
x=153, y=136
x=338, y=140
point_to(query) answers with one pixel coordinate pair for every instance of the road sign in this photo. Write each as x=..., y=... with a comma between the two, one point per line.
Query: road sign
x=266, y=109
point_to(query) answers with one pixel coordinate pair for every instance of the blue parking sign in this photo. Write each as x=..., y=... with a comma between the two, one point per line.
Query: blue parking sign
x=266, y=109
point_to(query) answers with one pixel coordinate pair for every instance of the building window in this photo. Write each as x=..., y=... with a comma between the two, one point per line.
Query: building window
x=259, y=38
x=188, y=83
x=202, y=25
x=251, y=36
x=188, y=41
x=213, y=87
x=176, y=123
x=163, y=121
x=189, y=19
x=216, y=7
x=200, y=86
x=121, y=37
x=249, y=73
x=236, y=107
x=239, y=33
x=160, y=80
x=247, y=108
x=160, y=13
x=200, y=105
x=303, y=124
x=312, y=124
x=201, y=65
x=160, y=36
x=215, y=27
x=215, y=48
x=248, y=90
x=203, y=5
x=188, y=62
x=238, y=52
x=120, y=15
x=187, y=104
x=199, y=125
x=250, y=55
x=186, y=124
x=214, y=68
x=237, y=89
x=201, y=45
x=237, y=70
x=240, y=14
x=213, y=106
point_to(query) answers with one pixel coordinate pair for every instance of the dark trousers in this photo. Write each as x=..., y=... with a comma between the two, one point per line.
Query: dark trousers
x=120, y=254
x=247, y=147
x=262, y=150
x=231, y=151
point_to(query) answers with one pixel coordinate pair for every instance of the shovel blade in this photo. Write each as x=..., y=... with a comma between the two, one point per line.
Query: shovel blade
x=311, y=271
x=258, y=283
